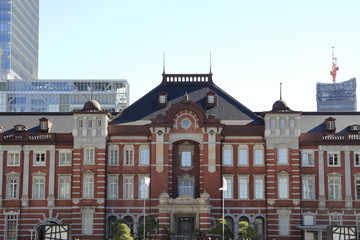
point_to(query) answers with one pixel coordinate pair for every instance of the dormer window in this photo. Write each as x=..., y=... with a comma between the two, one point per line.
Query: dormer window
x=20, y=128
x=211, y=99
x=329, y=124
x=162, y=99
x=44, y=124
x=354, y=128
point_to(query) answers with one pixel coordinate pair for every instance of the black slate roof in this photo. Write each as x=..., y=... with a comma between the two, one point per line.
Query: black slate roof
x=196, y=86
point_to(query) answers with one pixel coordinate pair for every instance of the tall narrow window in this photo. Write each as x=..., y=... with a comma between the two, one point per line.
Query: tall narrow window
x=357, y=186
x=64, y=187
x=129, y=155
x=13, y=186
x=283, y=156
x=243, y=187
x=228, y=193
x=258, y=157
x=80, y=123
x=87, y=220
x=38, y=187
x=128, y=187
x=334, y=188
x=308, y=190
x=243, y=156
x=283, y=186
x=227, y=155
x=13, y=159
x=113, y=186
x=64, y=159
x=357, y=159
x=186, y=159
x=284, y=222
x=186, y=187
x=144, y=187
x=259, y=187
x=11, y=227
x=113, y=157
x=89, y=156
x=88, y=191
x=144, y=155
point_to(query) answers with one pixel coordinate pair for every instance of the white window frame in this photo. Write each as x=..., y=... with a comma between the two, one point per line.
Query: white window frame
x=330, y=159
x=227, y=155
x=335, y=219
x=258, y=156
x=88, y=185
x=334, y=187
x=113, y=155
x=65, y=159
x=259, y=186
x=283, y=186
x=284, y=222
x=307, y=159
x=243, y=155
x=186, y=185
x=186, y=158
x=308, y=187
x=88, y=220
x=128, y=187
x=12, y=185
x=38, y=187
x=229, y=193
x=64, y=187
x=243, y=186
x=144, y=155
x=13, y=159
x=143, y=191
x=11, y=226
x=113, y=186
x=282, y=156
x=80, y=123
x=128, y=155
x=89, y=156
x=39, y=159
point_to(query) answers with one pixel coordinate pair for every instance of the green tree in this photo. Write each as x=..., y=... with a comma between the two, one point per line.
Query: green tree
x=120, y=231
x=228, y=234
x=247, y=232
x=150, y=226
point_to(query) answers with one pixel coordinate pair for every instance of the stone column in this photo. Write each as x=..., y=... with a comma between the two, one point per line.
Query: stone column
x=322, y=198
x=26, y=180
x=348, y=187
x=51, y=196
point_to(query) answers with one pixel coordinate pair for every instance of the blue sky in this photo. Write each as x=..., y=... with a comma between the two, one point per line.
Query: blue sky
x=255, y=45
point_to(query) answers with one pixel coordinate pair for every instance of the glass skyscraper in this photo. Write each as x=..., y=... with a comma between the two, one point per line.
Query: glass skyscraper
x=19, y=39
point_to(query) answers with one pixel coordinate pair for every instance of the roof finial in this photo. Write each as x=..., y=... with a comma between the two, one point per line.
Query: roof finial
x=335, y=68
x=210, y=61
x=280, y=91
x=164, y=62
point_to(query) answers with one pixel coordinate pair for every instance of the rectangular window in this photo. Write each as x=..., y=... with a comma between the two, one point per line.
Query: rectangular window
x=243, y=157
x=272, y=123
x=282, y=123
x=144, y=189
x=38, y=187
x=128, y=156
x=113, y=186
x=227, y=157
x=90, y=123
x=307, y=159
x=334, y=188
x=284, y=224
x=144, y=157
x=259, y=188
x=88, y=220
x=308, y=189
x=186, y=187
x=80, y=123
x=258, y=157
x=357, y=183
x=283, y=156
x=357, y=159
x=128, y=187
x=99, y=123
x=65, y=159
x=88, y=186
x=12, y=187
x=64, y=187
x=335, y=220
x=113, y=157
x=39, y=159
x=13, y=159
x=243, y=188
x=228, y=193
x=11, y=227
x=186, y=159
x=283, y=187
x=89, y=156
x=333, y=159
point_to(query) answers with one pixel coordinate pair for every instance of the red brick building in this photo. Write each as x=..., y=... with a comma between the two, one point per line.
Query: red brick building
x=289, y=174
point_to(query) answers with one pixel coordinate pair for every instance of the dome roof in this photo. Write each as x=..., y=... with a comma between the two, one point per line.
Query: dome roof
x=92, y=106
x=280, y=106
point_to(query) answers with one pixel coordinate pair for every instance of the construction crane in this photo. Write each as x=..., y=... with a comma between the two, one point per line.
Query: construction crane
x=335, y=68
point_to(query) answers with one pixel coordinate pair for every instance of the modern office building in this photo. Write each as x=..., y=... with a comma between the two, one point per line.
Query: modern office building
x=336, y=97
x=19, y=39
x=292, y=175
x=68, y=95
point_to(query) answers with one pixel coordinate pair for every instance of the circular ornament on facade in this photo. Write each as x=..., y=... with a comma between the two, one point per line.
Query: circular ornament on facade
x=185, y=123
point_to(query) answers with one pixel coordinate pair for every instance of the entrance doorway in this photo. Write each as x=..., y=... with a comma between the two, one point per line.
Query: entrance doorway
x=186, y=226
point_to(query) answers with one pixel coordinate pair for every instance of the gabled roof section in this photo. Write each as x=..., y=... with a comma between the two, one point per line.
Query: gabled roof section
x=195, y=87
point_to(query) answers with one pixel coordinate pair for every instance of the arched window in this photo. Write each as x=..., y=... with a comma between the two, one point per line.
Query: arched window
x=129, y=221
x=110, y=222
x=259, y=225
x=230, y=223
x=243, y=219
